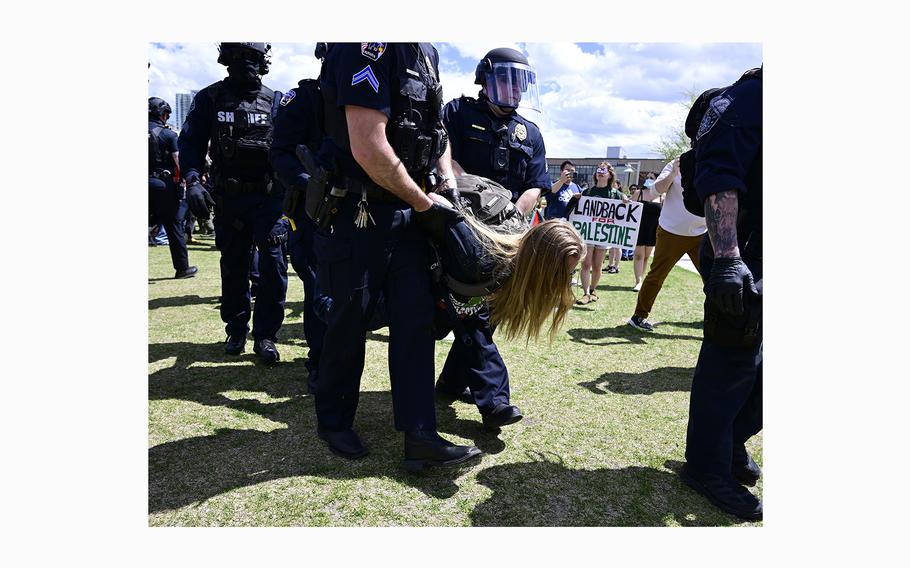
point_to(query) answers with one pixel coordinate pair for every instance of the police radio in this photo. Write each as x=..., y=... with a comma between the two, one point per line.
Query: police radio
x=410, y=145
x=501, y=152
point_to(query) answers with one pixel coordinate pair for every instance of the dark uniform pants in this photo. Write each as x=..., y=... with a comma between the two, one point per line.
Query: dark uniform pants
x=242, y=220
x=164, y=203
x=355, y=267
x=476, y=365
x=725, y=407
x=303, y=259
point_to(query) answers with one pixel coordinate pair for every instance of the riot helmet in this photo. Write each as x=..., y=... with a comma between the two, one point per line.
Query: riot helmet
x=508, y=79
x=241, y=55
x=158, y=108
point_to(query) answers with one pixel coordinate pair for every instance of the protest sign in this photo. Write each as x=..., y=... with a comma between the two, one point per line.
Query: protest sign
x=607, y=222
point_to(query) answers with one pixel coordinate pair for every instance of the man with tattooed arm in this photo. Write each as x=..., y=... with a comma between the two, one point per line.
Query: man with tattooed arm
x=725, y=408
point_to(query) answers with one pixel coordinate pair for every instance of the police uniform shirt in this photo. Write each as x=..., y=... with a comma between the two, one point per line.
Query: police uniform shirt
x=167, y=144
x=199, y=127
x=473, y=137
x=295, y=123
x=372, y=75
x=728, y=149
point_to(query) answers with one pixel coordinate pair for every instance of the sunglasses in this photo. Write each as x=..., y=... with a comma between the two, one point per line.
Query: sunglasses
x=602, y=171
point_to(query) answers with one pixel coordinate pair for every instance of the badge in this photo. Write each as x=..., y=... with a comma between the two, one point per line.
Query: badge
x=520, y=132
x=372, y=50
x=716, y=107
x=288, y=97
x=365, y=74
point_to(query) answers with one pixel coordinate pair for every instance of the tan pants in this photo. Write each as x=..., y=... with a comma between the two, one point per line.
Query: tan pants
x=668, y=249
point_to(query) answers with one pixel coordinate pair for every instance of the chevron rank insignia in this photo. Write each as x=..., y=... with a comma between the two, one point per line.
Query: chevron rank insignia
x=365, y=74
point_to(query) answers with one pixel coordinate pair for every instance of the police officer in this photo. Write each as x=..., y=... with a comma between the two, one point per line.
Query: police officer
x=382, y=115
x=726, y=402
x=164, y=192
x=490, y=139
x=298, y=122
x=235, y=115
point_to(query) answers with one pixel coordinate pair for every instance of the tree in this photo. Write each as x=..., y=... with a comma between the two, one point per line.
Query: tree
x=676, y=142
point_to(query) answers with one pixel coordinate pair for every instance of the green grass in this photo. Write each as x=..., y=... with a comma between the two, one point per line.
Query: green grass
x=233, y=443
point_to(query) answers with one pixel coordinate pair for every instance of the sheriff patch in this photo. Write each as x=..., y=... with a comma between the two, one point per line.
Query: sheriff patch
x=366, y=74
x=716, y=107
x=372, y=50
x=288, y=97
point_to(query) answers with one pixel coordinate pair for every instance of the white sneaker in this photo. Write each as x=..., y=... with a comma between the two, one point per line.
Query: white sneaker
x=637, y=287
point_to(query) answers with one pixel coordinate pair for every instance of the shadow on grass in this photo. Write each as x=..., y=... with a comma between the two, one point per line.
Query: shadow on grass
x=626, y=333
x=546, y=493
x=179, y=301
x=685, y=324
x=192, y=470
x=664, y=379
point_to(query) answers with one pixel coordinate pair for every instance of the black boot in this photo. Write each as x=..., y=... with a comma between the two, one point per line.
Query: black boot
x=502, y=415
x=744, y=469
x=427, y=449
x=235, y=344
x=267, y=351
x=726, y=494
x=344, y=443
x=188, y=272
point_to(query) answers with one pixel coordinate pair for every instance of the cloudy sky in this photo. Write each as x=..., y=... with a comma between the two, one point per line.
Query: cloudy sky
x=593, y=95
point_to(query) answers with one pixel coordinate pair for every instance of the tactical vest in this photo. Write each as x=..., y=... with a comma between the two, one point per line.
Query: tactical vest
x=506, y=139
x=156, y=156
x=415, y=128
x=241, y=135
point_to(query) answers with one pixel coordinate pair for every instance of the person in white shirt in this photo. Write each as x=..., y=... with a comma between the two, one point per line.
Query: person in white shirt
x=678, y=232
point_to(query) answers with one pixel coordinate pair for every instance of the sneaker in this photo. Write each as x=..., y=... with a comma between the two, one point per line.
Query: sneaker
x=583, y=300
x=637, y=287
x=640, y=323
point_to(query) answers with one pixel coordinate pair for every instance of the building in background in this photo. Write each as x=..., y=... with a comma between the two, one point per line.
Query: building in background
x=181, y=109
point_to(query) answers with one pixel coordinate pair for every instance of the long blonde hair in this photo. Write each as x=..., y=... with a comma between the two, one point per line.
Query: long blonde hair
x=536, y=279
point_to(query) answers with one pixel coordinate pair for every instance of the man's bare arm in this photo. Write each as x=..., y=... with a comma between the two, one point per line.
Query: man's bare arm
x=720, y=216
x=528, y=200
x=371, y=149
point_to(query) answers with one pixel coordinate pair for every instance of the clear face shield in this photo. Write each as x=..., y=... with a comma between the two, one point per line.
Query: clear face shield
x=513, y=85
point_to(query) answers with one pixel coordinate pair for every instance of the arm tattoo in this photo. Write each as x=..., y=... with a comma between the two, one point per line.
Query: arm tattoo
x=720, y=216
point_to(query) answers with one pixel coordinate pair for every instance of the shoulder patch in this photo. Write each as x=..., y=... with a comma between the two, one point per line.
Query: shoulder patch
x=366, y=74
x=372, y=50
x=288, y=97
x=716, y=108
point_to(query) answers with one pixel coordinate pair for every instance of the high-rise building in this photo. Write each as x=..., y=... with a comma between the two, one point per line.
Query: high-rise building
x=181, y=108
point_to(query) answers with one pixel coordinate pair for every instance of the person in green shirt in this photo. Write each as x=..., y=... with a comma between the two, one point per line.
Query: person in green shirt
x=594, y=259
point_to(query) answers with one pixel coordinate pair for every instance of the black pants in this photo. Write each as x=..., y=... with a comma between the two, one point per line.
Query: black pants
x=725, y=407
x=164, y=201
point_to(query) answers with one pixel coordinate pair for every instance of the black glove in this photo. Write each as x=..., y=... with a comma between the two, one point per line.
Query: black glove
x=199, y=200
x=437, y=219
x=729, y=278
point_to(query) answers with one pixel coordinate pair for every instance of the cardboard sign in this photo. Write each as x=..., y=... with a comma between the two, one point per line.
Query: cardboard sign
x=607, y=222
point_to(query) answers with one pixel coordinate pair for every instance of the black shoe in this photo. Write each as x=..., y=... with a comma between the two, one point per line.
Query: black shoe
x=502, y=415
x=726, y=494
x=640, y=323
x=744, y=469
x=345, y=443
x=235, y=344
x=186, y=273
x=464, y=396
x=267, y=351
x=424, y=450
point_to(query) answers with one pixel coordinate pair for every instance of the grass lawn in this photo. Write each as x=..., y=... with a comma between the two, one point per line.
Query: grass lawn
x=232, y=442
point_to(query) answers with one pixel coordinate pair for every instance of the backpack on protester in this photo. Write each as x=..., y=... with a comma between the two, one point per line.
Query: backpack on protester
x=708, y=104
x=156, y=160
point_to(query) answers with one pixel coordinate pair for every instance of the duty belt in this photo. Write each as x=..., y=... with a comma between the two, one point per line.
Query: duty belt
x=374, y=192
x=233, y=186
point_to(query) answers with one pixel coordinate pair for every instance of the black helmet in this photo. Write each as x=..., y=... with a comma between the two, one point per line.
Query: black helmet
x=158, y=108
x=508, y=78
x=259, y=52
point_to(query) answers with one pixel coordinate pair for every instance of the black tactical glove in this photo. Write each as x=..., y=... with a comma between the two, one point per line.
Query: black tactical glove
x=436, y=220
x=729, y=278
x=199, y=200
